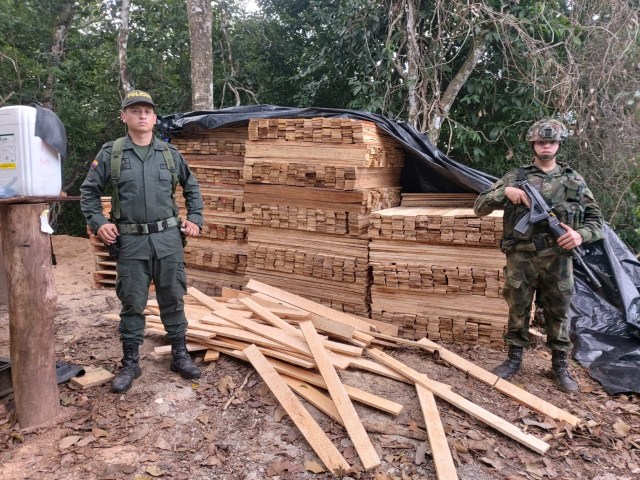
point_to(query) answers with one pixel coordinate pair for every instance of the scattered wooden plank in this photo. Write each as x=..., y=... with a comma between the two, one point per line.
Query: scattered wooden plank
x=92, y=376
x=503, y=386
x=191, y=347
x=211, y=356
x=315, y=397
x=402, y=341
x=326, y=451
x=308, y=305
x=267, y=315
x=236, y=352
x=375, y=367
x=357, y=433
x=445, y=468
x=202, y=298
x=463, y=404
x=355, y=394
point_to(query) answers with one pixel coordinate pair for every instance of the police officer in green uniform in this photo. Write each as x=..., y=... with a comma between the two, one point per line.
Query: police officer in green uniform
x=147, y=229
x=536, y=262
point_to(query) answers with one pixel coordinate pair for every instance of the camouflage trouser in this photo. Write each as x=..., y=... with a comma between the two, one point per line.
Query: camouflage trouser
x=552, y=277
x=132, y=287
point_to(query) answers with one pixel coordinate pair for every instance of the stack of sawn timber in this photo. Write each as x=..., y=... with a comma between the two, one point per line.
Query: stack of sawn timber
x=105, y=273
x=438, y=272
x=279, y=333
x=310, y=188
x=218, y=257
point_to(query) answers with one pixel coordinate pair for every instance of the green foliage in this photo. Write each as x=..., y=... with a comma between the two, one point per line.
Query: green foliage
x=330, y=54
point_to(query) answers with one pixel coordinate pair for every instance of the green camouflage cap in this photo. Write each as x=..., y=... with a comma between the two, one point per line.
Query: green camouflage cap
x=547, y=130
x=137, y=96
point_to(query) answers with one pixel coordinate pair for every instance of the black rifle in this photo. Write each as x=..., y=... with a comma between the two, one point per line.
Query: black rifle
x=539, y=211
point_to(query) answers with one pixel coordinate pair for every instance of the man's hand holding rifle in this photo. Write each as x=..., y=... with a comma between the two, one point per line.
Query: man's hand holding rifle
x=539, y=211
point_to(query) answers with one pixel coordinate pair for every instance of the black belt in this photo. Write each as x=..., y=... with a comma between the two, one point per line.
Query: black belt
x=144, y=228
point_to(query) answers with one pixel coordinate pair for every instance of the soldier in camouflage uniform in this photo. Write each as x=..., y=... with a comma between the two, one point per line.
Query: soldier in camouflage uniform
x=535, y=260
x=147, y=228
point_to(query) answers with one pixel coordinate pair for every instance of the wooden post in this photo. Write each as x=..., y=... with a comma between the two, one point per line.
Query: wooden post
x=32, y=305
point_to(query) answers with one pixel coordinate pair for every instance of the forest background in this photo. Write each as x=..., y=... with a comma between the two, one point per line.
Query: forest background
x=472, y=76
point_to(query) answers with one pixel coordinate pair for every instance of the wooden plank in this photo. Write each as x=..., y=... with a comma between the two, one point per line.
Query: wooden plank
x=292, y=343
x=308, y=305
x=374, y=367
x=92, y=376
x=355, y=394
x=402, y=341
x=326, y=451
x=202, y=298
x=362, y=337
x=236, y=352
x=355, y=429
x=272, y=333
x=507, y=388
x=463, y=404
x=445, y=468
x=274, y=320
x=315, y=397
x=211, y=356
x=191, y=347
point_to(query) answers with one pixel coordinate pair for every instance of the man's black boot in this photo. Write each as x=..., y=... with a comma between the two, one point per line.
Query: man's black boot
x=130, y=369
x=511, y=365
x=182, y=362
x=560, y=369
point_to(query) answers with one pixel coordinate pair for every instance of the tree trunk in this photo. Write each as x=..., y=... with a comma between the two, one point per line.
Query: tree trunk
x=453, y=89
x=57, y=51
x=414, y=60
x=123, y=39
x=32, y=306
x=200, y=26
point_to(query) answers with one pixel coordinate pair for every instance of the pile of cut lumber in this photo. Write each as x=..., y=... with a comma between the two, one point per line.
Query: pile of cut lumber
x=219, y=256
x=465, y=200
x=322, y=175
x=104, y=275
x=311, y=186
x=328, y=269
x=298, y=346
x=438, y=272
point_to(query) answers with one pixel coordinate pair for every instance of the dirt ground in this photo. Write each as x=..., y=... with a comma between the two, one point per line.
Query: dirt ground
x=228, y=425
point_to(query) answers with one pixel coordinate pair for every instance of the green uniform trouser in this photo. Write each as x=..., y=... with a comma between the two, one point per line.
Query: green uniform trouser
x=132, y=287
x=552, y=276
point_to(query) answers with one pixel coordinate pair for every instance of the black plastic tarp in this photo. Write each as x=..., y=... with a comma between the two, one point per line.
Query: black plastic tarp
x=426, y=168
x=51, y=130
x=605, y=323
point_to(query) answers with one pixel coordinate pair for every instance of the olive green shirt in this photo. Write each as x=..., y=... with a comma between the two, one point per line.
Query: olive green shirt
x=145, y=192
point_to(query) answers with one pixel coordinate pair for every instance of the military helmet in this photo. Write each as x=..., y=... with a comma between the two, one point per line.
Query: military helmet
x=548, y=130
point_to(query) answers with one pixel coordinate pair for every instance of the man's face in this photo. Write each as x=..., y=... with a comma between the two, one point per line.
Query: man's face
x=546, y=150
x=140, y=117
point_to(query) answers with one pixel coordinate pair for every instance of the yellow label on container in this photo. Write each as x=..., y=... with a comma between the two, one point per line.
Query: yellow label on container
x=8, y=154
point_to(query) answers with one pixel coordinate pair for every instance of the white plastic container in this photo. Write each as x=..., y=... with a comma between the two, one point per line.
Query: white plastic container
x=24, y=157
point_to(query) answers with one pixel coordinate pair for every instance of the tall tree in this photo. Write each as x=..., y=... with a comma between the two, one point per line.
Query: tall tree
x=200, y=29
x=60, y=32
x=123, y=39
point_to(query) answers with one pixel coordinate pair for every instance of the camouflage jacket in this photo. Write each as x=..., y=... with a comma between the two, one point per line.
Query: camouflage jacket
x=562, y=188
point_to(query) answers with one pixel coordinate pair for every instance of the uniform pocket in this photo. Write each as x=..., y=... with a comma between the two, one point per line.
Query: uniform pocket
x=122, y=280
x=164, y=175
x=182, y=276
x=513, y=278
x=125, y=176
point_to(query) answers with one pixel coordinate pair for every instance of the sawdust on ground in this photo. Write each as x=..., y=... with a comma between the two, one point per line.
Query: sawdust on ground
x=228, y=426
